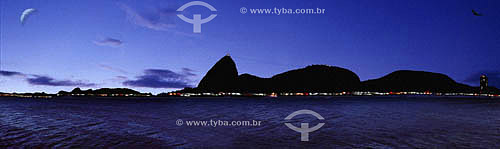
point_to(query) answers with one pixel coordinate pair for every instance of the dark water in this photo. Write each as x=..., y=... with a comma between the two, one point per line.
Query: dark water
x=350, y=122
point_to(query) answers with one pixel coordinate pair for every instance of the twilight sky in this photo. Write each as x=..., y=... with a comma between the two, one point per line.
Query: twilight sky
x=144, y=46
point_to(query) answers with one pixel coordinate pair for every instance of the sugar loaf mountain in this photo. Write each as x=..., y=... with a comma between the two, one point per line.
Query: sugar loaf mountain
x=223, y=77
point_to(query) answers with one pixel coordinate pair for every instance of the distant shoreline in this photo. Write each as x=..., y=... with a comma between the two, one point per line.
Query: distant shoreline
x=260, y=97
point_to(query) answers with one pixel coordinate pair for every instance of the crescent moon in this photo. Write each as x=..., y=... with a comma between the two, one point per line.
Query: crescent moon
x=25, y=14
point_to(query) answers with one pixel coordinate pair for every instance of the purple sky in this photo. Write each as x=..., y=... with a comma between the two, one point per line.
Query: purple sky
x=144, y=46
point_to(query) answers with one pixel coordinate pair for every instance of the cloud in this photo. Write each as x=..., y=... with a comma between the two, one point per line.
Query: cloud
x=110, y=68
x=154, y=22
x=493, y=78
x=161, y=78
x=118, y=79
x=44, y=80
x=167, y=12
x=10, y=73
x=109, y=42
x=188, y=72
x=49, y=81
x=121, y=78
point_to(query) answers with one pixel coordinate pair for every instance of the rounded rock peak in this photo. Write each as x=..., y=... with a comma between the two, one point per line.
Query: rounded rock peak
x=221, y=77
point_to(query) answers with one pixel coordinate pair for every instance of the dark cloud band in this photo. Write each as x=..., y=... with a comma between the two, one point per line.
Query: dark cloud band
x=162, y=78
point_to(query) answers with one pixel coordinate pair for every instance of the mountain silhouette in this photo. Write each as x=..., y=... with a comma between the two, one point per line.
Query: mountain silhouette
x=223, y=77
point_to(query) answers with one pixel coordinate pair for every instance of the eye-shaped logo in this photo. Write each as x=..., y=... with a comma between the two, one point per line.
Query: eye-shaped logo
x=304, y=127
x=197, y=21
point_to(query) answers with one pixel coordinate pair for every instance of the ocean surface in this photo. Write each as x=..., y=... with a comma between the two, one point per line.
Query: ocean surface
x=350, y=122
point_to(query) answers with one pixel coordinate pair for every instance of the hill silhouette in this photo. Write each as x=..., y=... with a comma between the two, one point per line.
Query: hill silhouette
x=316, y=78
x=421, y=81
x=248, y=83
x=107, y=91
